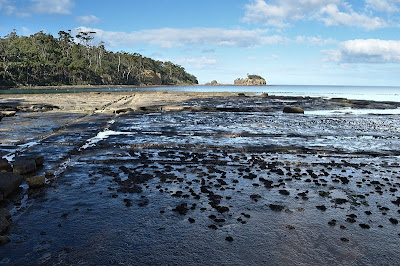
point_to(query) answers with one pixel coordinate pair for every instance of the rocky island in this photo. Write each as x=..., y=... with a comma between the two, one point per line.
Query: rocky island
x=251, y=80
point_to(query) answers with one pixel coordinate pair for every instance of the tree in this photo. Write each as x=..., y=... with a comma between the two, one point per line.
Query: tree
x=42, y=59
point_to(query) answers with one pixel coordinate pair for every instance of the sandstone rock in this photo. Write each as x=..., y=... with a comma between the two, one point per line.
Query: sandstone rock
x=49, y=173
x=264, y=95
x=35, y=182
x=5, y=220
x=7, y=113
x=173, y=108
x=251, y=80
x=293, y=110
x=4, y=240
x=212, y=83
x=5, y=165
x=149, y=77
x=9, y=182
x=5, y=213
x=24, y=165
x=39, y=160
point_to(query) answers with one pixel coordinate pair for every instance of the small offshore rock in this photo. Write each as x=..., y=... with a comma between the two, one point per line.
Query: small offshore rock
x=393, y=220
x=229, y=238
x=293, y=110
x=181, y=209
x=35, y=182
x=332, y=222
x=364, y=226
x=284, y=192
x=321, y=207
x=343, y=239
x=276, y=208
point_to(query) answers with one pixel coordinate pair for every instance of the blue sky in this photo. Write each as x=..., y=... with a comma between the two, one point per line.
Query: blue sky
x=321, y=42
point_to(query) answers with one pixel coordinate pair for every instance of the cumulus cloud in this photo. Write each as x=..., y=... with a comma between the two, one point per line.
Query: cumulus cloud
x=89, y=19
x=332, y=16
x=173, y=37
x=52, y=6
x=374, y=51
x=280, y=13
x=197, y=63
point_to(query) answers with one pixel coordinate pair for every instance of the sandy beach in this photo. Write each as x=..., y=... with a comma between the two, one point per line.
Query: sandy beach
x=151, y=177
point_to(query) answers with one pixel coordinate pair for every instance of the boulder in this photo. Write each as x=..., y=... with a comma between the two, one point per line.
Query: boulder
x=39, y=160
x=293, y=110
x=5, y=221
x=7, y=113
x=4, y=240
x=49, y=173
x=5, y=165
x=24, y=165
x=5, y=213
x=9, y=182
x=35, y=182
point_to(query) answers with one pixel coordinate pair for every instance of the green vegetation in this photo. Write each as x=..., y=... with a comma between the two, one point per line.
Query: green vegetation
x=254, y=76
x=43, y=60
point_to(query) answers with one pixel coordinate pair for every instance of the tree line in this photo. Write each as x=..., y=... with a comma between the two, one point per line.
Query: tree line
x=44, y=60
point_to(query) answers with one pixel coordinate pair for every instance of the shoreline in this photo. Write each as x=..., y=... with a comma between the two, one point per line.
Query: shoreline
x=123, y=86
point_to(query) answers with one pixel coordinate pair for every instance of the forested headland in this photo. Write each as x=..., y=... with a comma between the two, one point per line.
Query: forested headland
x=44, y=60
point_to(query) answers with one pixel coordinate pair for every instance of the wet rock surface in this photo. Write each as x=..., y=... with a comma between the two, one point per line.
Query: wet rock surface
x=166, y=187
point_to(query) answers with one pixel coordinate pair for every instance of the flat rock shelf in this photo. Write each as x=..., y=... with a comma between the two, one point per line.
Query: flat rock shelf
x=203, y=179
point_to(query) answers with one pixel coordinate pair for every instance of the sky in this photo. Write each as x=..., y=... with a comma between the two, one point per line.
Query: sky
x=304, y=42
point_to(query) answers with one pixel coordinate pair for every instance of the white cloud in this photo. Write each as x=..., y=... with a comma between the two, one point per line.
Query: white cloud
x=280, y=13
x=383, y=5
x=314, y=41
x=8, y=8
x=332, y=16
x=89, y=19
x=374, y=51
x=197, y=63
x=173, y=37
x=52, y=6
